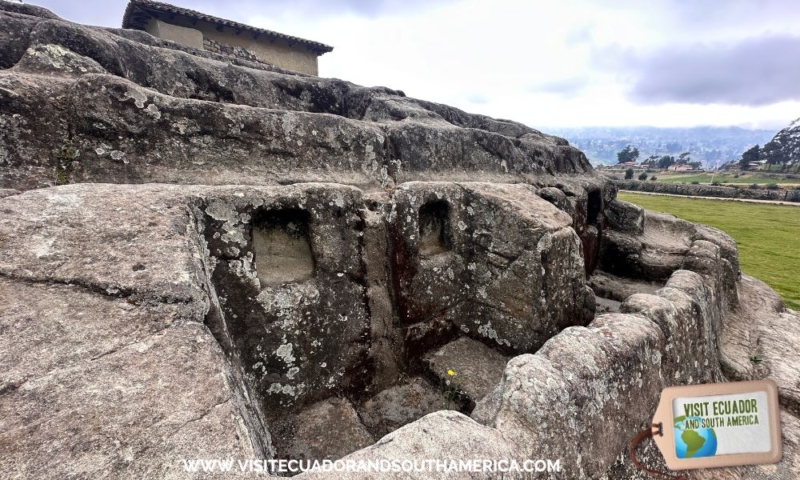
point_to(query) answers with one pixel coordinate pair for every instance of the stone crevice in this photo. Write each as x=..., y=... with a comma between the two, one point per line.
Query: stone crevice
x=112, y=291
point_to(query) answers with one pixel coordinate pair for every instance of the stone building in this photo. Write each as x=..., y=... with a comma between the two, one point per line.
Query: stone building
x=205, y=32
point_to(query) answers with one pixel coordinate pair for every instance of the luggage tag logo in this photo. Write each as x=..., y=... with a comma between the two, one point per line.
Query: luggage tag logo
x=716, y=425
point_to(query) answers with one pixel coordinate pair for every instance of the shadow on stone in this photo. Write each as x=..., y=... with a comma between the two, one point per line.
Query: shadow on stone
x=434, y=226
x=281, y=246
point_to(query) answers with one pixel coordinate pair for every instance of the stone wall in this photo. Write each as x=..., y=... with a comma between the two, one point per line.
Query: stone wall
x=744, y=192
x=274, y=51
x=183, y=35
x=215, y=46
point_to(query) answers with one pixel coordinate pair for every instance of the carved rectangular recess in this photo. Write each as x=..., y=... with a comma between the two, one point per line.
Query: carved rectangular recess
x=434, y=228
x=281, y=247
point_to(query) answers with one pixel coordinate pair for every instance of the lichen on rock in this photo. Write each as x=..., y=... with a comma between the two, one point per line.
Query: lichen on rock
x=243, y=262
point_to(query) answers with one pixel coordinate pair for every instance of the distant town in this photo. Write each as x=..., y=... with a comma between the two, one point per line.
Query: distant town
x=711, y=146
x=701, y=156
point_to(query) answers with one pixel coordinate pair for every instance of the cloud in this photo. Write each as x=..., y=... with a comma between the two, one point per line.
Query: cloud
x=579, y=35
x=366, y=8
x=92, y=12
x=565, y=87
x=109, y=12
x=477, y=98
x=753, y=72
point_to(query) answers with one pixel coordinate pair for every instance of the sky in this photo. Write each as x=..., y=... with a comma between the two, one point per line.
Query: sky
x=555, y=63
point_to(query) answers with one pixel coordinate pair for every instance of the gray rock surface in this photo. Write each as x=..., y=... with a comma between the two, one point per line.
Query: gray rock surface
x=142, y=110
x=612, y=287
x=400, y=405
x=446, y=436
x=760, y=340
x=548, y=403
x=321, y=242
x=605, y=305
x=84, y=382
x=476, y=367
x=510, y=270
x=625, y=217
x=175, y=255
x=327, y=430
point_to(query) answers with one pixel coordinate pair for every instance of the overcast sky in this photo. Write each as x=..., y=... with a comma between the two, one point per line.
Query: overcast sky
x=557, y=63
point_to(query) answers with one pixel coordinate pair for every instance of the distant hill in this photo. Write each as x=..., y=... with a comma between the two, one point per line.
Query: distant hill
x=710, y=145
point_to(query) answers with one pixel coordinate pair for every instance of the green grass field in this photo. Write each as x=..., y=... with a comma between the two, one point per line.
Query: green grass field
x=768, y=235
x=743, y=179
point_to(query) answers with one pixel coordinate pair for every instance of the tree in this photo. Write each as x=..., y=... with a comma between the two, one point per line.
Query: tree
x=665, y=162
x=642, y=176
x=628, y=154
x=628, y=174
x=750, y=157
x=684, y=158
x=651, y=162
x=774, y=154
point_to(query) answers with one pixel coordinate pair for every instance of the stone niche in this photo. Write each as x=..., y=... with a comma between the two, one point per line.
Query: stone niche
x=434, y=228
x=289, y=279
x=281, y=247
x=346, y=315
x=497, y=261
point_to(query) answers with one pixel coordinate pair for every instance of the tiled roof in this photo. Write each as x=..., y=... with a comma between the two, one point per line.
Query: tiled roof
x=139, y=11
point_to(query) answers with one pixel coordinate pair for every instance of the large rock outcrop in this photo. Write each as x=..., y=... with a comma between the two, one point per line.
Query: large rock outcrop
x=203, y=258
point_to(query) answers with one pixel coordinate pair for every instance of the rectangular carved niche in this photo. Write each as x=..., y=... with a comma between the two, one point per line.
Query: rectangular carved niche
x=281, y=247
x=434, y=228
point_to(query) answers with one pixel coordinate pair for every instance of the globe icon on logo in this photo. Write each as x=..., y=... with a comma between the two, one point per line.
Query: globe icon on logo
x=694, y=442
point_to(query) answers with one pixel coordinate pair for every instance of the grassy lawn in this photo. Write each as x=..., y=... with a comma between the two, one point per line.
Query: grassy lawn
x=768, y=235
x=746, y=178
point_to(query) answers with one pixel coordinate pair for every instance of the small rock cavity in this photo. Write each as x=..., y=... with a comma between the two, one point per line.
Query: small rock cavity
x=281, y=247
x=434, y=228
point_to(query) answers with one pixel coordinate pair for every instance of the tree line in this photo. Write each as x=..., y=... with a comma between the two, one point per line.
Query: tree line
x=773, y=153
x=631, y=154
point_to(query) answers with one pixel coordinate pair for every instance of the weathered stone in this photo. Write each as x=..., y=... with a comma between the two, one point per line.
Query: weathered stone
x=101, y=237
x=625, y=217
x=605, y=305
x=329, y=429
x=390, y=139
x=400, y=405
x=299, y=323
x=557, y=198
x=616, y=288
x=508, y=266
x=56, y=60
x=652, y=255
x=446, y=436
x=264, y=312
x=555, y=404
x=84, y=383
x=386, y=344
x=778, y=340
x=477, y=368
x=759, y=340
